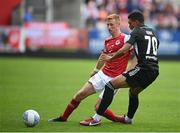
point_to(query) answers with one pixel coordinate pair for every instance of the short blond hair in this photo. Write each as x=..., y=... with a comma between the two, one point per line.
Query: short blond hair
x=113, y=16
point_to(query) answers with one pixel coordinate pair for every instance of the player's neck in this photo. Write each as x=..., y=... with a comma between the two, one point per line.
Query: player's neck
x=116, y=34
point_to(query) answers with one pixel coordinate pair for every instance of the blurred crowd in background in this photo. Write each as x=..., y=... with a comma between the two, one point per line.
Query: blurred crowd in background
x=79, y=25
x=158, y=14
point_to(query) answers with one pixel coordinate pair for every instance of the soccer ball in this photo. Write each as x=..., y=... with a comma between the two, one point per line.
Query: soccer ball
x=31, y=118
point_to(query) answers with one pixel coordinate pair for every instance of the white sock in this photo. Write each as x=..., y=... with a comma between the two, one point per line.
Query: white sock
x=127, y=119
x=97, y=117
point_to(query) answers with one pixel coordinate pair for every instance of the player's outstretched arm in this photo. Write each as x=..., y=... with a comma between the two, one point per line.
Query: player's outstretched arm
x=126, y=47
x=99, y=65
x=106, y=57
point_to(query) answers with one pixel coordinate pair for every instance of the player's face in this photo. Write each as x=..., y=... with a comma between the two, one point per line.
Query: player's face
x=113, y=26
x=132, y=24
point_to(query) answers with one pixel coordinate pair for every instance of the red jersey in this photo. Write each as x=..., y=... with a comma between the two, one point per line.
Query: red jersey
x=116, y=66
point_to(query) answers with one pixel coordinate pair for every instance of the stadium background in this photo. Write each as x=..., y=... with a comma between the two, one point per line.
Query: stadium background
x=76, y=29
x=78, y=26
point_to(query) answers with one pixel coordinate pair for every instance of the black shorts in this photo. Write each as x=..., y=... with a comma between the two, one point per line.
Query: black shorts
x=140, y=77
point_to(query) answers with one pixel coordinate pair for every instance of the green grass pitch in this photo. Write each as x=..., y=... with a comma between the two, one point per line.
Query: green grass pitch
x=47, y=85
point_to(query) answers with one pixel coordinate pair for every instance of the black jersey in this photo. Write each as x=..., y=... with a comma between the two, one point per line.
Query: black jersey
x=145, y=44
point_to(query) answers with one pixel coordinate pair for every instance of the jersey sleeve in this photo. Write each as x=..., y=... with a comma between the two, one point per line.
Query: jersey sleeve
x=133, y=36
x=126, y=38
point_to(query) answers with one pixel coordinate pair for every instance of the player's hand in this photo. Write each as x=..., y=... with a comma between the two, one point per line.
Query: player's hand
x=105, y=57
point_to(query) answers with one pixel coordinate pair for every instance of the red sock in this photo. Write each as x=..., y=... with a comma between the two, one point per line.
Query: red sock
x=69, y=109
x=109, y=115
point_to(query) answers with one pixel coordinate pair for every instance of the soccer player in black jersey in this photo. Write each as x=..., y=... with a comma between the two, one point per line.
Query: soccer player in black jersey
x=146, y=71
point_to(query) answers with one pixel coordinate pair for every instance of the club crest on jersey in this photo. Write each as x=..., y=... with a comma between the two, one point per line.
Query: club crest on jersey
x=117, y=42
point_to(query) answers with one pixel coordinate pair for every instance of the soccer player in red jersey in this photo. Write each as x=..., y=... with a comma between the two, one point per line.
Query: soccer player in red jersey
x=103, y=72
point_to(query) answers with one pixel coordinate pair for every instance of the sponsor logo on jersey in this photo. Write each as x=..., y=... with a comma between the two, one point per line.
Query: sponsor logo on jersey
x=117, y=42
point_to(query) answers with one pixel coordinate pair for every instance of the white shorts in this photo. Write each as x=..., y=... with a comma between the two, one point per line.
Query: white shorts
x=99, y=81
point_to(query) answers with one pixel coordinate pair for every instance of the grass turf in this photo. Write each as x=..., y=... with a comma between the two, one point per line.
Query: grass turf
x=47, y=85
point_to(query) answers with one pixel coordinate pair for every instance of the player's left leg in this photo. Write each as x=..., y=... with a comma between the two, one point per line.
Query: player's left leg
x=132, y=107
x=84, y=92
x=133, y=101
x=109, y=114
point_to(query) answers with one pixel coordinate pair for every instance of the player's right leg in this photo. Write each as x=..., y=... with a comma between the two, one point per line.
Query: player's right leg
x=84, y=92
x=117, y=82
x=109, y=114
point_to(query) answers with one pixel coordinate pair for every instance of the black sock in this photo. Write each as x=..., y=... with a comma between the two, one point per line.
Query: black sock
x=133, y=105
x=107, y=98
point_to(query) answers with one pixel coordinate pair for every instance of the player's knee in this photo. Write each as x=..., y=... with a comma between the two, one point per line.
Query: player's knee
x=80, y=96
x=133, y=92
